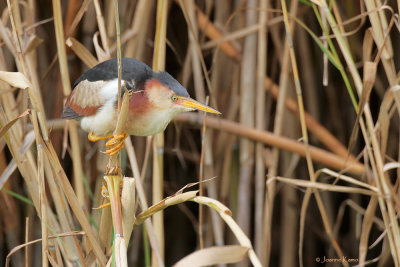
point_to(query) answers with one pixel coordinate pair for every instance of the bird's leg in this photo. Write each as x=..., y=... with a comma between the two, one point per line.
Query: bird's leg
x=116, y=143
x=94, y=138
x=105, y=195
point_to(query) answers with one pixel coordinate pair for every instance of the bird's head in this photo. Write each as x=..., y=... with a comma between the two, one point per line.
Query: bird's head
x=167, y=93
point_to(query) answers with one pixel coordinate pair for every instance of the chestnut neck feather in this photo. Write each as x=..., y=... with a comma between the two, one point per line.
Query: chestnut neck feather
x=139, y=103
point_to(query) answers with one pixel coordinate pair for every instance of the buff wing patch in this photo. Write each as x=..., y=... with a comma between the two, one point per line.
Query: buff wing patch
x=84, y=100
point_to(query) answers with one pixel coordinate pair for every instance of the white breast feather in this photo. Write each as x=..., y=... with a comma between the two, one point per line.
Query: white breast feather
x=153, y=122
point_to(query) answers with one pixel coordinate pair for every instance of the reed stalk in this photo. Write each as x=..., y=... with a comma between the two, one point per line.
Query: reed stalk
x=158, y=140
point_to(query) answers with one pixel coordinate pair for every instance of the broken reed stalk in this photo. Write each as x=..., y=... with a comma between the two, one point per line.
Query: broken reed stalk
x=226, y=215
x=128, y=200
x=222, y=210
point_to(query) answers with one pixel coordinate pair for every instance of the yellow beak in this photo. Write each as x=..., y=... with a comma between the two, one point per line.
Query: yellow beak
x=193, y=104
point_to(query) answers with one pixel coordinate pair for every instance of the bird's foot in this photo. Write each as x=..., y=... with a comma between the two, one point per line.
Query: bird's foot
x=102, y=206
x=106, y=195
x=116, y=143
x=94, y=138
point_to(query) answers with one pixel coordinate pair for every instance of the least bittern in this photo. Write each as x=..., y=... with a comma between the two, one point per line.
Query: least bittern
x=156, y=99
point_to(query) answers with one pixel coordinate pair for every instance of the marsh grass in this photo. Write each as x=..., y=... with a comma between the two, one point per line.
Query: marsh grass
x=313, y=79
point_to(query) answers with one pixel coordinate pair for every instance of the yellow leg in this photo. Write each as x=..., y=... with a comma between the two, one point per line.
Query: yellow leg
x=94, y=138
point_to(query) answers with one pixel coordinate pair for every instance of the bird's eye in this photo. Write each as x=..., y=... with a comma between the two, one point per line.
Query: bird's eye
x=174, y=98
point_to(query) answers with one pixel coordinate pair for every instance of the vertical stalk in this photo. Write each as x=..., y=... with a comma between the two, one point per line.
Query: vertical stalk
x=43, y=212
x=247, y=103
x=118, y=31
x=102, y=27
x=201, y=178
x=26, y=241
x=260, y=125
x=158, y=141
x=72, y=127
x=113, y=176
x=42, y=192
x=310, y=166
x=278, y=126
x=135, y=46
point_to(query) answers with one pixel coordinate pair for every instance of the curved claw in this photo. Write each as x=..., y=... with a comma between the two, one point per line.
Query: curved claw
x=115, y=148
x=116, y=143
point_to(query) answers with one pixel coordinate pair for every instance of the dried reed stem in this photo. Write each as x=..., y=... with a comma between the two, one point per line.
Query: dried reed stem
x=72, y=127
x=246, y=118
x=259, y=184
x=158, y=140
x=317, y=154
x=284, y=85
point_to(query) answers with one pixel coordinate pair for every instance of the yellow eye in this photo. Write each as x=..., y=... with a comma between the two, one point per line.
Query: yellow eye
x=174, y=98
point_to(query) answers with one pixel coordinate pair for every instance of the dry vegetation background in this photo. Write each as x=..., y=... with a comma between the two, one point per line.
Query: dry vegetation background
x=305, y=154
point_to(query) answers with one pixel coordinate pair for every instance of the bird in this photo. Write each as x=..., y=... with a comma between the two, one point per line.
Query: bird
x=155, y=99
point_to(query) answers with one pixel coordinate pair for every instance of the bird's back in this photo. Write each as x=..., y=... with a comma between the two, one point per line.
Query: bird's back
x=132, y=69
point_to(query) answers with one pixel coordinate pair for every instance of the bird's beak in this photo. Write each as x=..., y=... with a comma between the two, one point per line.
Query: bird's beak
x=193, y=104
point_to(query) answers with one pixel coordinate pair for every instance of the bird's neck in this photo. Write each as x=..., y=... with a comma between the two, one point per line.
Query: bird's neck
x=139, y=103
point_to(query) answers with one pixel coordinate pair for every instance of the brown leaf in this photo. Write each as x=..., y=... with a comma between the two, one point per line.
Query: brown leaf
x=101, y=54
x=32, y=43
x=366, y=229
x=6, y=127
x=82, y=52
